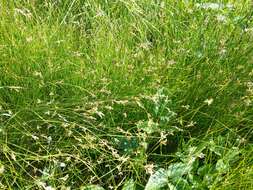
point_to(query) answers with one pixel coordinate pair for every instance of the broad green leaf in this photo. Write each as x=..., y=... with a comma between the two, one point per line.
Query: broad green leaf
x=158, y=180
x=178, y=169
x=129, y=185
x=232, y=155
x=181, y=183
x=205, y=169
x=92, y=187
x=222, y=166
x=128, y=145
x=171, y=187
x=217, y=149
x=148, y=126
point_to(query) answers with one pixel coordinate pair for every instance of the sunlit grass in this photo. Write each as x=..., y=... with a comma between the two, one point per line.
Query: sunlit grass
x=108, y=93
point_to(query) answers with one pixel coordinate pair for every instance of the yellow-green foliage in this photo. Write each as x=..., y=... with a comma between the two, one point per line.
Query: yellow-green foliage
x=123, y=93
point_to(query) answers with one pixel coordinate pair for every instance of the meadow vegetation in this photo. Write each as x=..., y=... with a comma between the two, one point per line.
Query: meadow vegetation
x=126, y=94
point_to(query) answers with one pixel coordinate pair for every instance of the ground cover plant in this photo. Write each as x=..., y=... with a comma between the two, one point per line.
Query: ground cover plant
x=126, y=94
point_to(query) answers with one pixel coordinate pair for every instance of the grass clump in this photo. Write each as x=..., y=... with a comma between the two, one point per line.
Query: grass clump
x=126, y=94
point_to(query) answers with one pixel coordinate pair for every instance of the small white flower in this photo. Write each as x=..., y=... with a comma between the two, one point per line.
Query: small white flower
x=209, y=101
x=247, y=102
x=230, y=6
x=62, y=165
x=149, y=168
x=29, y=39
x=1, y=169
x=213, y=6
x=65, y=177
x=100, y=114
x=47, y=113
x=250, y=30
x=171, y=62
x=49, y=188
x=186, y=106
x=221, y=18
x=40, y=183
x=39, y=101
x=201, y=155
x=223, y=51
x=49, y=139
x=38, y=74
x=35, y=137
x=13, y=156
x=191, y=124
x=25, y=12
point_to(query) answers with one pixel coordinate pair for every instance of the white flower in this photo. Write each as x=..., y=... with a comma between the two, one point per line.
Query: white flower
x=186, y=106
x=248, y=29
x=39, y=101
x=214, y=6
x=149, y=168
x=38, y=74
x=49, y=188
x=223, y=51
x=47, y=113
x=221, y=18
x=35, y=137
x=171, y=62
x=40, y=183
x=230, y=6
x=62, y=165
x=13, y=156
x=247, y=102
x=100, y=114
x=25, y=12
x=201, y=155
x=29, y=39
x=191, y=124
x=1, y=169
x=49, y=139
x=65, y=177
x=209, y=101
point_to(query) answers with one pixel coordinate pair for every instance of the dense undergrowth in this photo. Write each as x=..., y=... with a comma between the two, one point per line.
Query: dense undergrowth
x=126, y=94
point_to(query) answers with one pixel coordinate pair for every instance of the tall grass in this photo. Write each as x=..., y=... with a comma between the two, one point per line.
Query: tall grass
x=109, y=93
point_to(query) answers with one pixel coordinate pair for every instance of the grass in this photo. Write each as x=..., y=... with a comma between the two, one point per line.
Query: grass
x=126, y=94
